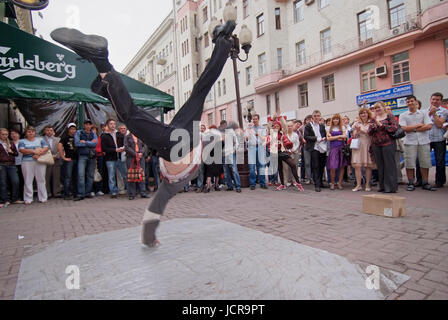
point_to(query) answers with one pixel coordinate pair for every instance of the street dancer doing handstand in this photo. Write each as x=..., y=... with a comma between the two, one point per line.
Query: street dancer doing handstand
x=152, y=132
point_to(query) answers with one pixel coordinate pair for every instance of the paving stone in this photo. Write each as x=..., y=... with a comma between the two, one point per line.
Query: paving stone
x=412, y=295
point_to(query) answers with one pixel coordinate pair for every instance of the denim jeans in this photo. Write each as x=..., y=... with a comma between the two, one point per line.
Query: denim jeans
x=67, y=169
x=200, y=179
x=111, y=173
x=439, y=154
x=121, y=166
x=231, y=171
x=86, y=171
x=11, y=172
x=257, y=165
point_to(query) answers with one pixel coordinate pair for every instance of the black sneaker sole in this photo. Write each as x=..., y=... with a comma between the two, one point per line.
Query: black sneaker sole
x=86, y=46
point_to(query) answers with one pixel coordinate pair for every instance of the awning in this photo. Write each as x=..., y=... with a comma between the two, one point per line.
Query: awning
x=32, y=68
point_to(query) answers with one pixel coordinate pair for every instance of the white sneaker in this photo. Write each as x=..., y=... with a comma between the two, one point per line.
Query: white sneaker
x=92, y=194
x=122, y=192
x=99, y=193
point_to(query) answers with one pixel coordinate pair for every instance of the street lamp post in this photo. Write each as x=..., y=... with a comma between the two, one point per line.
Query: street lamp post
x=244, y=41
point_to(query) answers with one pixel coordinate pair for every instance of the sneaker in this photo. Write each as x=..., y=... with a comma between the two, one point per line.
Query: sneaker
x=78, y=199
x=428, y=187
x=281, y=187
x=264, y=187
x=113, y=196
x=238, y=190
x=99, y=193
x=269, y=184
x=144, y=195
x=18, y=202
x=122, y=192
x=299, y=186
x=224, y=30
x=252, y=187
x=89, y=47
x=410, y=187
x=277, y=184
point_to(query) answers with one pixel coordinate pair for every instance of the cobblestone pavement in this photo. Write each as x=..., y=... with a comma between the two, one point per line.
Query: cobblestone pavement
x=416, y=245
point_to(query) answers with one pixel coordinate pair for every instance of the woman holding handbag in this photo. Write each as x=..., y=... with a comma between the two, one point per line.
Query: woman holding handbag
x=135, y=162
x=32, y=148
x=360, y=145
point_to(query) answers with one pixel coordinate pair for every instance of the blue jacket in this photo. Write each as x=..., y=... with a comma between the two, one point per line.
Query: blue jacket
x=83, y=147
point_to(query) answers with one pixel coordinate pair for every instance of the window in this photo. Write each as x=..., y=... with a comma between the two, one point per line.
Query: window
x=204, y=14
x=400, y=68
x=195, y=20
x=260, y=25
x=248, y=75
x=206, y=40
x=214, y=6
x=261, y=64
x=396, y=13
x=245, y=8
x=328, y=86
x=300, y=49
x=171, y=47
x=197, y=70
x=268, y=104
x=303, y=95
x=210, y=119
x=223, y=114
x=368, y=79
x=224, y=86
x=298, y=10
x=277, y=100
x=323, y=3
x=325, y=41
x=278, y=24
x=196, y=44
x=219, y=88
x=279, y=59
x=365, y=26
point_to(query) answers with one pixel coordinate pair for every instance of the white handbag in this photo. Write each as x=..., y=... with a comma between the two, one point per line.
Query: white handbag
x=46, y=158
x=354, y=144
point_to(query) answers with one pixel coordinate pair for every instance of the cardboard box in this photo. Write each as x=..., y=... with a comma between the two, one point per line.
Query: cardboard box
x=384, y=205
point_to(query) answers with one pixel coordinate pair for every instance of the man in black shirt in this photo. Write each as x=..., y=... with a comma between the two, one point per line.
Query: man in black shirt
x=69, y=156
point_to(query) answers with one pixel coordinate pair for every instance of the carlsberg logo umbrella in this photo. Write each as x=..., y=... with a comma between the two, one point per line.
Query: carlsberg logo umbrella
x=19, y=66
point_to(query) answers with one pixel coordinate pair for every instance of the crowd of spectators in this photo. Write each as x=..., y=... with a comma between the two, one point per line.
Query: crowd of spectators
x=324, y=152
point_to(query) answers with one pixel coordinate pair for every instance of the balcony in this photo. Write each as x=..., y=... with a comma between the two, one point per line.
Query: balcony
x=436, y=16
x=268, y=81
x=353, y=48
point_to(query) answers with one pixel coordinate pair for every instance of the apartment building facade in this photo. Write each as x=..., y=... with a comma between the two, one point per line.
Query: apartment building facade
x=328, y=55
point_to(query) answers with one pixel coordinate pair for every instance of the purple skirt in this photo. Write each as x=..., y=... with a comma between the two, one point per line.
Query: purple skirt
x=336, y=158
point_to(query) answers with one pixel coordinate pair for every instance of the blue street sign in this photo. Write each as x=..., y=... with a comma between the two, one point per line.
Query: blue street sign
x=390, y=93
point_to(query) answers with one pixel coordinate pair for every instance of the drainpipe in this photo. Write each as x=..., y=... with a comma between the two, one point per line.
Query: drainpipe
x=419, y=7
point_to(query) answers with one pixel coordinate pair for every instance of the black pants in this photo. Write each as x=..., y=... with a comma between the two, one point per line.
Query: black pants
x=440, y=154
x=387, y=168
x=155, y=134
x=284, y=157
x=318, y=162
